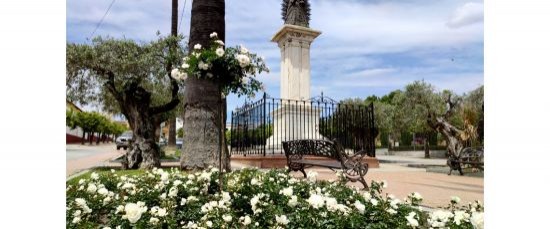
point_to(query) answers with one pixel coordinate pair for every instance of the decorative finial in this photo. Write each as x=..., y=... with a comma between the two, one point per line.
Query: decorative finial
x=296, y=12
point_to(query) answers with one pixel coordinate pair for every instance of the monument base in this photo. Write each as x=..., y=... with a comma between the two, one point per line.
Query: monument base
x=279, y=161
x=294, y=121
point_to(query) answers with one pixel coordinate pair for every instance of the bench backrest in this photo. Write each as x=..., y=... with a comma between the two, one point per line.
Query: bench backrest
x=471, y=155
x=311, y=147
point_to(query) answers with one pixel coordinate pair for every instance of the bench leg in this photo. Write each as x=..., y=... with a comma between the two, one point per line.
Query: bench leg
x=364, y=182
x=303, y=171
x=460, y=170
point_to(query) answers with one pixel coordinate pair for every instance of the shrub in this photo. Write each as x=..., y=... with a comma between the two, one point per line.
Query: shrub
x=251, y=199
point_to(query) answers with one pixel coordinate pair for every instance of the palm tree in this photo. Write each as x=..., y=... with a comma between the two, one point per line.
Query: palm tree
x=202, y=103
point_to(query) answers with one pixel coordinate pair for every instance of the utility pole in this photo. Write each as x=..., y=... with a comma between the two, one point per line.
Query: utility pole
x=174, y=32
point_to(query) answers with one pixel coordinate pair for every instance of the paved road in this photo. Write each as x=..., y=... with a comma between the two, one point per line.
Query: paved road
x=80, y=157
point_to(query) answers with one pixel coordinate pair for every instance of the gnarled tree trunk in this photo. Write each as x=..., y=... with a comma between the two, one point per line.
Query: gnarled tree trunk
x=135, y=104
x=452, y=135
x=202, y=97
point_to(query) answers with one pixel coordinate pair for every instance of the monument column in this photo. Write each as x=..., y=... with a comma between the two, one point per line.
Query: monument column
x=294, y=42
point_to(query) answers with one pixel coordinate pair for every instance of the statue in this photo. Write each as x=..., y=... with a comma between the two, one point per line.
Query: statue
x=296, y=12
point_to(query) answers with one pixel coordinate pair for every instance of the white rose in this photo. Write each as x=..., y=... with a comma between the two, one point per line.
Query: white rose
x=477, y=220
x=227, y=218
x=312, y=176
x=293, y=201
x=220, y=42
x=120, y=208
x=153, y=220
x=219, y=52
x=254, y=181
x=161, y=212
x=316, y=201
x=103, y=191
x=197, y=46
x=133, y=212
x=286, y=191
x=247, y=220
x=281, y=219
x=94, y=176
x=185, y=66
x=360, y=207
x=203, y=66
x=76, y=220
x=214, y=34
x=411, y=221
x=209, y=75
x=455, y=199
x=173, y=192
x=183, y=201
x=374, y=202
x=367, y=196
x=175, y=73
x=243, y=49
x=243, y=60
x=91, y=188
x=209, y=223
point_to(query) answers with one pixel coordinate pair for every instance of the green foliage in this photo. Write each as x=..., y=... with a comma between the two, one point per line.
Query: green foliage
x=406, y=139
x=144, y=64
x=179, y=132
x=251, y=136
x=403, y=112
x=94, y=122
x=233, y=68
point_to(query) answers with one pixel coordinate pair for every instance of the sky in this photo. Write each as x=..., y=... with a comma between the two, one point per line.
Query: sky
x=367, y=47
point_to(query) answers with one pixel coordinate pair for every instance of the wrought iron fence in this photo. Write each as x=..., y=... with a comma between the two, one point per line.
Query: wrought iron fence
x=259, y=127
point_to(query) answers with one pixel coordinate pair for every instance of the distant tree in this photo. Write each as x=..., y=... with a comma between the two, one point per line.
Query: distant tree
x=371, y=99
x=129, y=78
x=439, y=111
x=180, y=132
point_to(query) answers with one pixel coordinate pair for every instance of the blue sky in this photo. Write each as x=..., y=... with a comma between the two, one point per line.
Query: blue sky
x=366, y=47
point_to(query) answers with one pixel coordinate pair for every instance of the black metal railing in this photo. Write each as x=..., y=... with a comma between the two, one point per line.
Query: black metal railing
x=259, y=127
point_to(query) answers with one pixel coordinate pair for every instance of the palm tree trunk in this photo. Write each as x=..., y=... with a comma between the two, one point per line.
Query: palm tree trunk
x=201, y=105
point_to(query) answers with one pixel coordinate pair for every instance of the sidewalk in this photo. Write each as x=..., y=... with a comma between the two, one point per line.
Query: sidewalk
x=81, y=157
x=436, y=188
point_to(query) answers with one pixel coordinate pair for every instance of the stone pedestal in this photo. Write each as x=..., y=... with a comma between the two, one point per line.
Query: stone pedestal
x=294, y=119
x=294, y=42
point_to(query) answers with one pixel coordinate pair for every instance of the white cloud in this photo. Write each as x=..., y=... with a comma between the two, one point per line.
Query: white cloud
x=468, y=14
x=366, y=46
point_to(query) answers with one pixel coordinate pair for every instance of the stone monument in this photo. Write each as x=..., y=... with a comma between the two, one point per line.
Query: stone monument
x=294, y=40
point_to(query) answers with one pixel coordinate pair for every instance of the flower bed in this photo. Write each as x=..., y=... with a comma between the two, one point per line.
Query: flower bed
x=251, y=199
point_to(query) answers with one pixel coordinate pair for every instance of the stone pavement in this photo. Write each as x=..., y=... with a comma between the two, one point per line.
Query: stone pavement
x=81, y=157
x=436, y=188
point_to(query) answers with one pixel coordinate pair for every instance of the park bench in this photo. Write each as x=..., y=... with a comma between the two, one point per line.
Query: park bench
x=299, y=155
x=470, y=157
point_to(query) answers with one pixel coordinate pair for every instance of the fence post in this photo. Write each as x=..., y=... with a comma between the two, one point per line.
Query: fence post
x=264, y=140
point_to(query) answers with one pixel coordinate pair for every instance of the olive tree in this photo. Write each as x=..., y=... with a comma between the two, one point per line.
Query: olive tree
x=131, y=78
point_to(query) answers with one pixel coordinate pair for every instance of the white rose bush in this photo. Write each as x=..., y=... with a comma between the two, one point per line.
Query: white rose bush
x=234, y=68
x=176, y=199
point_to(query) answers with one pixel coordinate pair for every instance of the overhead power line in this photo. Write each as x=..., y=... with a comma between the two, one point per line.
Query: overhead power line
x=101, y=21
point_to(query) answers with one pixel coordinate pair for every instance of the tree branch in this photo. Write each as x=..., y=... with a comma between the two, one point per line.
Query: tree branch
x=170, y=105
